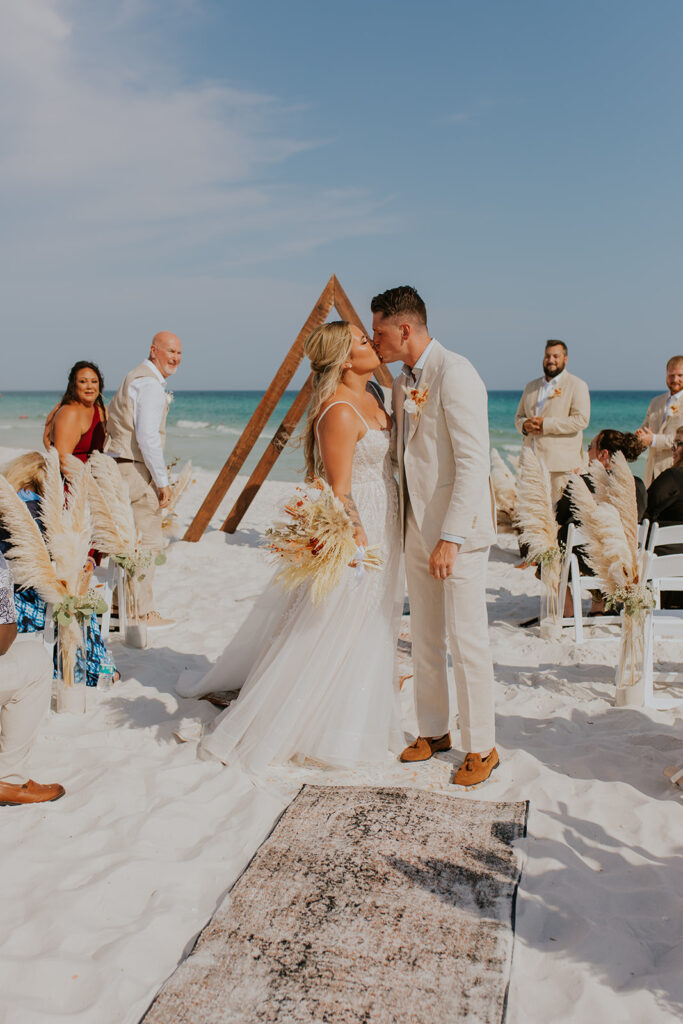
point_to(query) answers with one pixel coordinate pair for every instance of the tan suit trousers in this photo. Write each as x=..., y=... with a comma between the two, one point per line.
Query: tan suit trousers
x=25, y=687
x=147, y=514
x=450, y=613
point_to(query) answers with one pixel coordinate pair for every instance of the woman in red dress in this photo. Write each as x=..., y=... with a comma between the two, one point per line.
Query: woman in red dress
x=77, y=425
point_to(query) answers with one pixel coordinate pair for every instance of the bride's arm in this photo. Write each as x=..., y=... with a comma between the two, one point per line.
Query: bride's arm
x=337, y=436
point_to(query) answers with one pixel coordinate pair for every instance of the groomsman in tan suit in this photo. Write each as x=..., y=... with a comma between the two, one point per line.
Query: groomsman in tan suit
x=664, y=417
x=552, y=414
x=448, y=517
x=136, y=428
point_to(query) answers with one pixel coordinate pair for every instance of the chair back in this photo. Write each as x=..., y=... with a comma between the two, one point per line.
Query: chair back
x=660, y=535
x=665, y=571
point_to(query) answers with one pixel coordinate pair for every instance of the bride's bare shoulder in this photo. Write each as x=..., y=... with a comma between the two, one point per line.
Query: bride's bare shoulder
x=338, y=415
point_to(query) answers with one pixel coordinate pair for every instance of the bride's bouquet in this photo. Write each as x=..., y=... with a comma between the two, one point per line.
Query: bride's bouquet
x=316, y=542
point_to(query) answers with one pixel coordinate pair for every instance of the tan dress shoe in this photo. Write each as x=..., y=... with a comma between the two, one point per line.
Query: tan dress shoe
x=475, y=769
x=29, y=793
x=425, y=747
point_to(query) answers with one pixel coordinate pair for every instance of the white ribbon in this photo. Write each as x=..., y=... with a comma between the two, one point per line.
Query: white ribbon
x=359, y=568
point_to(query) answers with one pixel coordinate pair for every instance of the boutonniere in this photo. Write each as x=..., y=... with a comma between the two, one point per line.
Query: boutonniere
x=169, y=397
x=673, y=409
x=416, y=399
x=557, y=392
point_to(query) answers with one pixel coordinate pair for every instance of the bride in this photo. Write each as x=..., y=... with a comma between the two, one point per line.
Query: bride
x=317, y=681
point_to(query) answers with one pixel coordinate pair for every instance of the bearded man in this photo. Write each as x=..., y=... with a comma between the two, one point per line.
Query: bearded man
x=552, y=414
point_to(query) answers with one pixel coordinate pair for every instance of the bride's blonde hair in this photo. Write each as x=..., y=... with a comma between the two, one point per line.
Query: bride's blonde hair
x=328, y=348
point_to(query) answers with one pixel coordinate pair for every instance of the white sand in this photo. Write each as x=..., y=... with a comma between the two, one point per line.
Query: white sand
x=105, y=890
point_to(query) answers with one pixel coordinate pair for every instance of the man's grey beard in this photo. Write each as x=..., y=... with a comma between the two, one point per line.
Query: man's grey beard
x=553, y=373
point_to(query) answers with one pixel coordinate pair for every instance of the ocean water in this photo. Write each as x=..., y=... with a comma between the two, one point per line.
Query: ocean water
x=204, y=426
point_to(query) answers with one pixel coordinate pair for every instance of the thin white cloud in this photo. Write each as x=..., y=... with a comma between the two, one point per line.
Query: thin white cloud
x=97, y=156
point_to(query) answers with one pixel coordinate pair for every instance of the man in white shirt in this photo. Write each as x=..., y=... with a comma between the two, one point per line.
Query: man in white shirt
x=664, y=417
x=25, y=685
x=136, y=425
x=552, y=414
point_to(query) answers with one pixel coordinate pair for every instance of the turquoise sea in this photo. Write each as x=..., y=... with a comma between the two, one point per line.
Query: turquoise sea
x=205, y=425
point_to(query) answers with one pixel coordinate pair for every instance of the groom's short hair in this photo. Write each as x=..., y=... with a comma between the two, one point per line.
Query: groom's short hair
x=400, y=301
x=552, y=342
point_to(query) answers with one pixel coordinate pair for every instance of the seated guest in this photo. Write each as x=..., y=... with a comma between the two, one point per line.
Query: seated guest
x=665, y=507
x=26, y=474
x=77, y=425
x=24, y=698
x=603, y=447
x=665, y=495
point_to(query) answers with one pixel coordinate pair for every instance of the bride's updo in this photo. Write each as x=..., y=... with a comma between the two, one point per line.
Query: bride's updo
x=328, y=348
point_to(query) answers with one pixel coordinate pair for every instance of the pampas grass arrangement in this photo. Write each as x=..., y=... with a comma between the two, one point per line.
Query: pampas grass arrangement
x=535, y=519
x=54, y=563
x=504, y=484
x=610, y=526
x=114, y=532
x=316, y=543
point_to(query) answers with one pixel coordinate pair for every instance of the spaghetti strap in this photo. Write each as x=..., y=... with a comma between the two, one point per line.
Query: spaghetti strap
x=340, y=402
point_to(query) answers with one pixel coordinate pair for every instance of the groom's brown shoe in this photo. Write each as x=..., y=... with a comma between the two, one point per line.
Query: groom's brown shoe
x=425, y=747
x=476, y=769
x=28, y=793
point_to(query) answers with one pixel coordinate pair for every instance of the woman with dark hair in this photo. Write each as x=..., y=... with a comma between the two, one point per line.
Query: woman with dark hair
x=602, y=448
x=77, y=425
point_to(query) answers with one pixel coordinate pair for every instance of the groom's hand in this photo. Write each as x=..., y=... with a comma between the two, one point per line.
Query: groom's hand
x=442, y=559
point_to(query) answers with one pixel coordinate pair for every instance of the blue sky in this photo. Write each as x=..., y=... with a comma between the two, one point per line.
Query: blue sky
x=204, y=167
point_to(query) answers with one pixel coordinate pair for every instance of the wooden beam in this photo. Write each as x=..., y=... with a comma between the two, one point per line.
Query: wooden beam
x=269, y=457
x=346, y=311
x=261, y=415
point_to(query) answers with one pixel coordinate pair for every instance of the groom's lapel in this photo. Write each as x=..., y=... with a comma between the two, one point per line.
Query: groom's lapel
x=430, y=371
x=400, y=413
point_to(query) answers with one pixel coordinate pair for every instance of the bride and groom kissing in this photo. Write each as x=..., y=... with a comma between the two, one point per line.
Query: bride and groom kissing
x=317, y=682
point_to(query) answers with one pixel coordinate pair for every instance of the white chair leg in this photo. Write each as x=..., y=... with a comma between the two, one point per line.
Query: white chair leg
x=648, y=663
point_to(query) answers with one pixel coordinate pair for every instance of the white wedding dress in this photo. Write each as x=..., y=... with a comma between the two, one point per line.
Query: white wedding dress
x=318, y=681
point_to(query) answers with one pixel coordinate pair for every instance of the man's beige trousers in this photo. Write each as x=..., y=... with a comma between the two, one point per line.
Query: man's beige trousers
x=450, y=613
x=147, y=514
x=25, y=687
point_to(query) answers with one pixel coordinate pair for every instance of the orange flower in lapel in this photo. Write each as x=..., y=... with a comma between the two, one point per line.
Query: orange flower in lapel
x=416, y=399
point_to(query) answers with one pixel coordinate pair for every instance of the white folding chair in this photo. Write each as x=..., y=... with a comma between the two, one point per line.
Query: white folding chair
x=580, y=587
x=665, y=573
x=659, y=536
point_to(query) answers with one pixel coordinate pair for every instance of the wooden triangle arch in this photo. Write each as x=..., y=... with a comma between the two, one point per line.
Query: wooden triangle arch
x=333, y=295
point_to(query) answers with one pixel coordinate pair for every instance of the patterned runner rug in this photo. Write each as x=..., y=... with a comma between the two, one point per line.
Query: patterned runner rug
x=365, y=904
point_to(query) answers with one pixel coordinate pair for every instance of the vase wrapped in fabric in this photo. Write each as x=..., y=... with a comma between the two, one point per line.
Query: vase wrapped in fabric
x=630, y=675
x=550, y=618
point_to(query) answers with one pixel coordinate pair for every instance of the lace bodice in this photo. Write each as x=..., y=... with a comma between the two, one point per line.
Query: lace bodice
x=374, y=487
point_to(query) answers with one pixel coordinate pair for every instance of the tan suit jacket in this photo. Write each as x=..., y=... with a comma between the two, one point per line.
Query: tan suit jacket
x=660, y=456
x=565, y=417
x=445, y=464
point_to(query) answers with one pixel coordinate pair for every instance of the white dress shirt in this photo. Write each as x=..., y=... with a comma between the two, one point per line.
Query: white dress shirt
x=413, y=375
x=148, y=397
x=547, y=388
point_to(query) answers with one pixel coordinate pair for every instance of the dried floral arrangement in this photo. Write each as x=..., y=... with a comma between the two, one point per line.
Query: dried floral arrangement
x=535, y=520
x=316, y=542
x=54, y=563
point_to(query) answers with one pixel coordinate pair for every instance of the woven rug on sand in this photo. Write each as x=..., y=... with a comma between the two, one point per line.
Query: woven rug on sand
x=364, y=904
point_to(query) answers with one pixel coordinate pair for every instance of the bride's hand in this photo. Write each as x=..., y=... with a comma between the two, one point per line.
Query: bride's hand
x=361, y=539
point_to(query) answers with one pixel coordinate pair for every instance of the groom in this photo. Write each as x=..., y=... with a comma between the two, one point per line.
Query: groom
x=448, y=517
